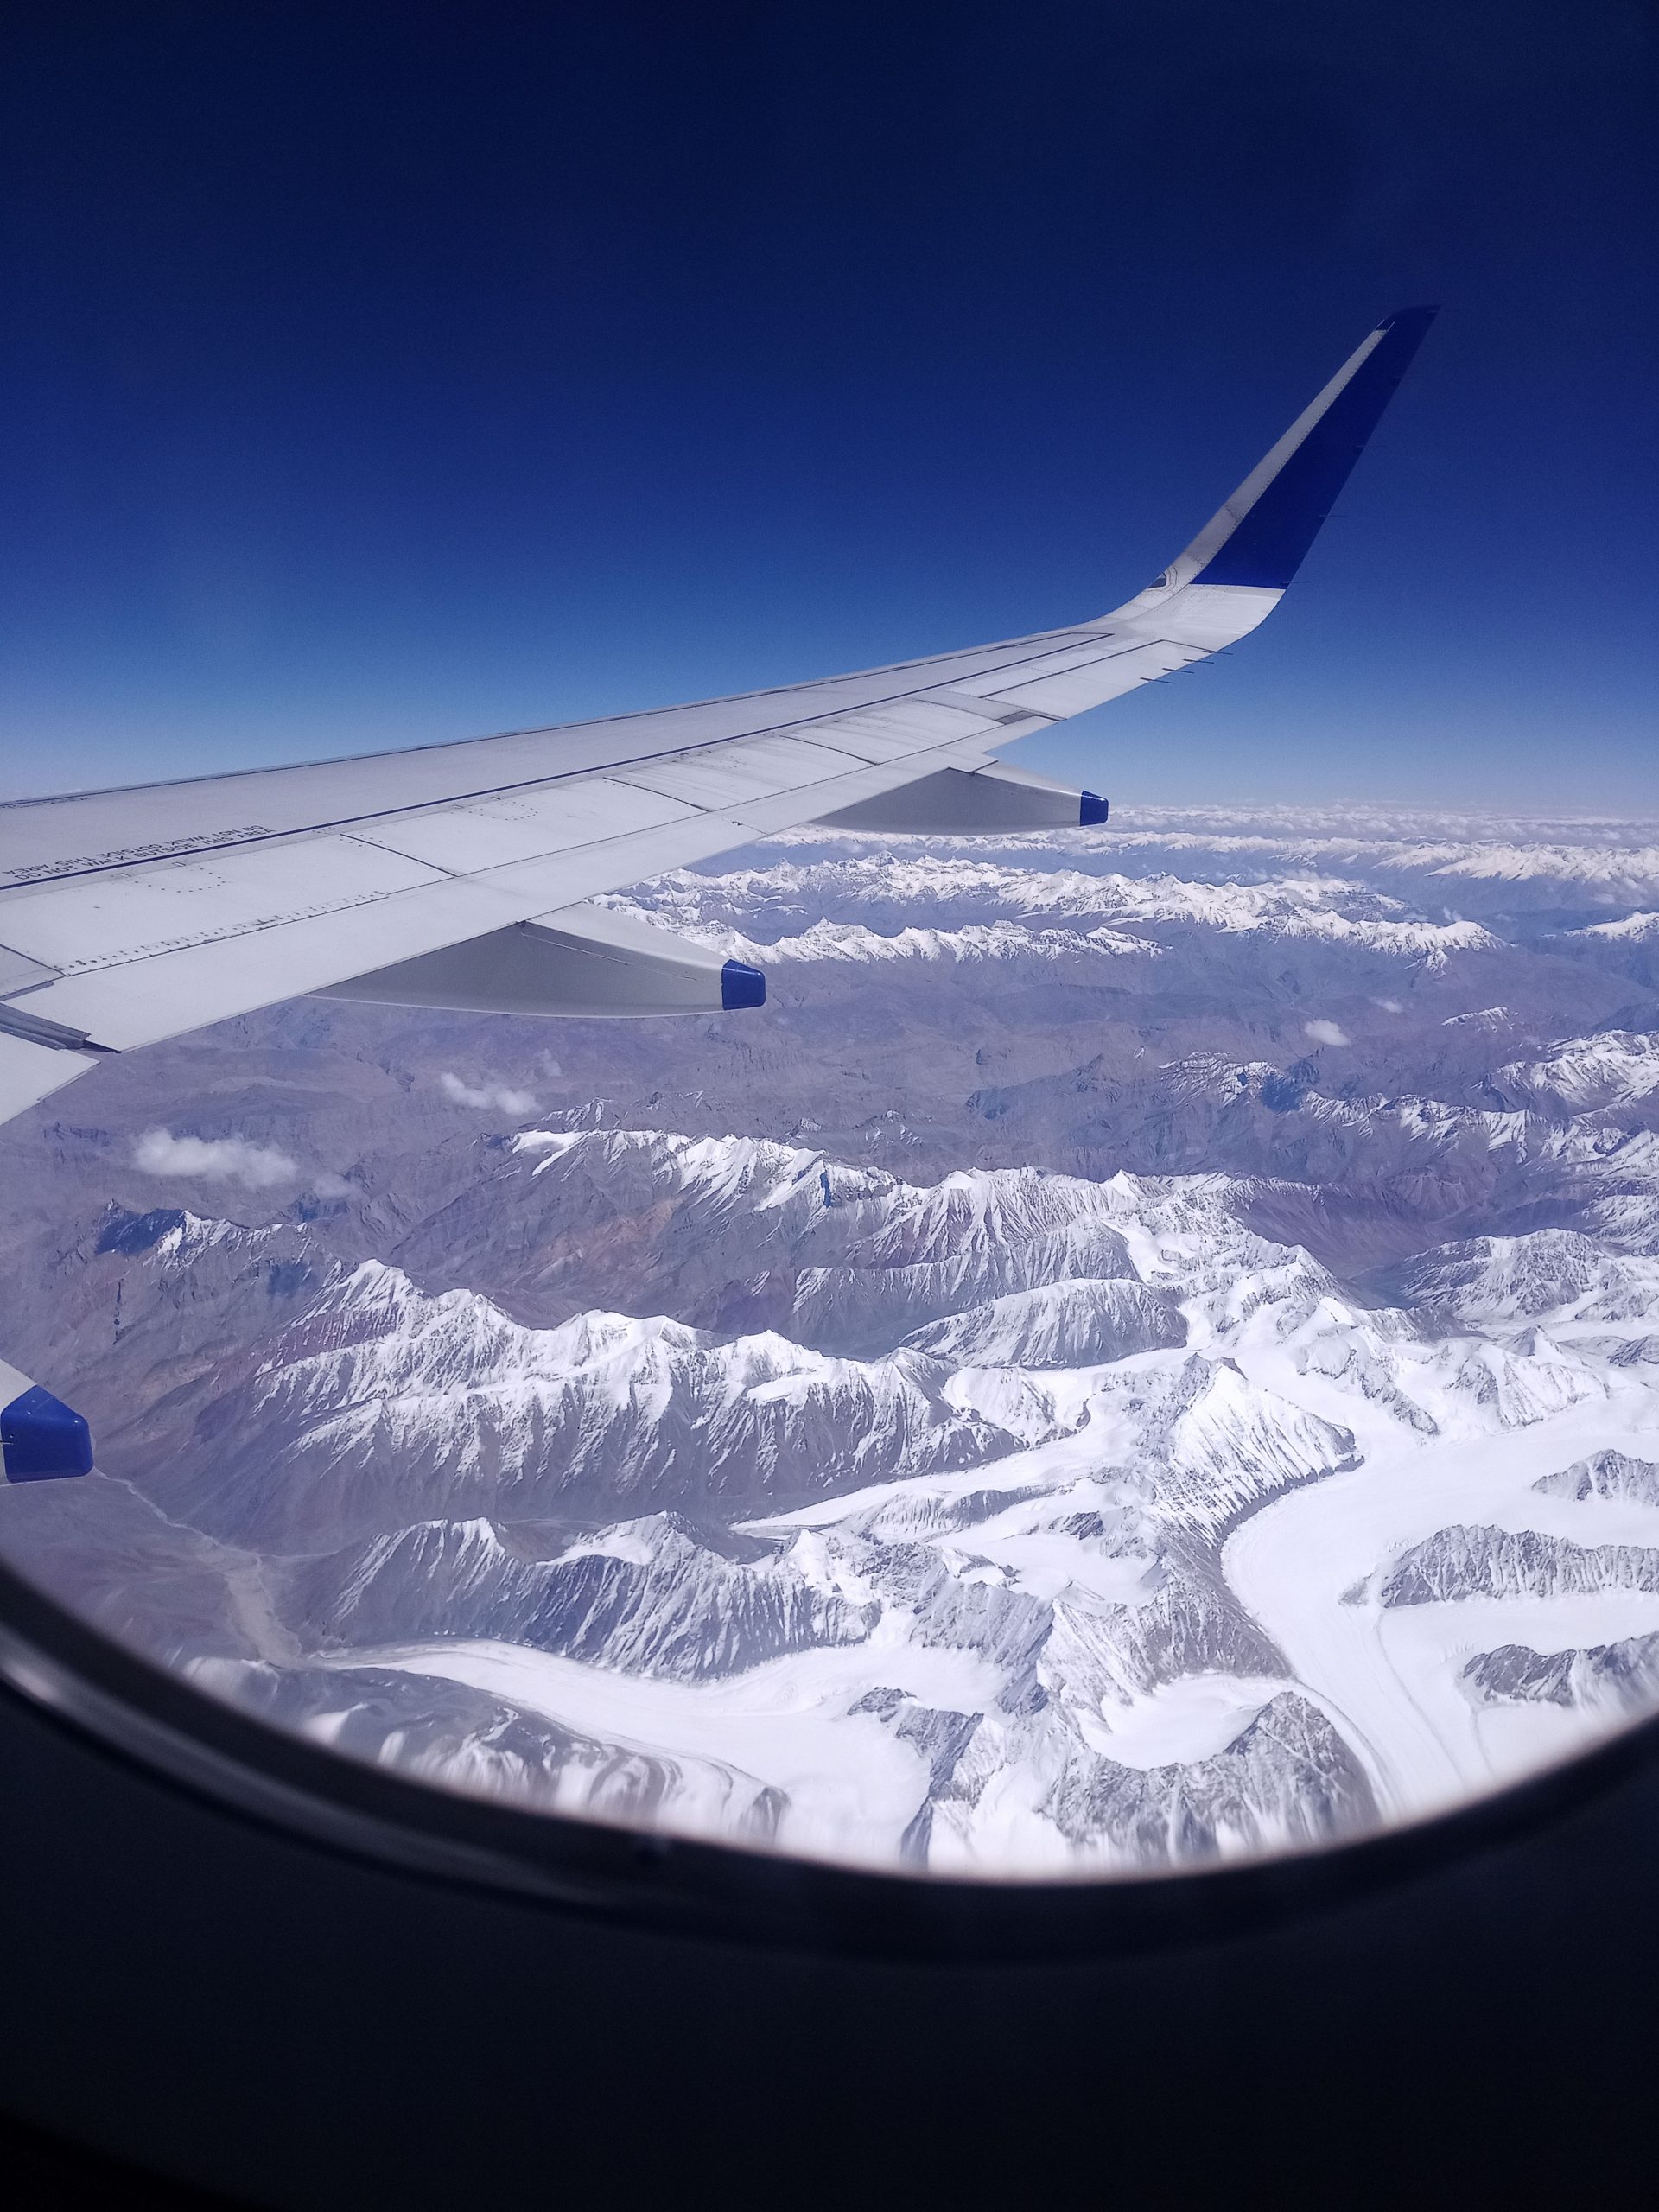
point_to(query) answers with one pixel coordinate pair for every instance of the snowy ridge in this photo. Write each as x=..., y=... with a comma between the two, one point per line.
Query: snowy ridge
x=466, y=1739
x=1585, y=1073
x=652, y=1597
x=1608, y=861
x=1630, y=929
x=1460, y=1562
x=471, y=1408
x=1312, y=906
x=1076, y=1323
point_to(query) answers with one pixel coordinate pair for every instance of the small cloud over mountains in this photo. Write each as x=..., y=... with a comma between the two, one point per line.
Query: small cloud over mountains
x=501, y=1098
x=227, y=1160
x=1325, y=1032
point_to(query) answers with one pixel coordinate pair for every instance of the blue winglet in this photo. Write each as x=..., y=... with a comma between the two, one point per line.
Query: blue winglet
x=741, y=985
x=40, y=1437
x=1270, y=541
x=1092, y=809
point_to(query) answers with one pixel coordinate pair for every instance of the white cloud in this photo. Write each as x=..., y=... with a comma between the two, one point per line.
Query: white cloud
x=500, y=1096
x=229, y=1160
x=1389, y=1006
x=1325, y=1032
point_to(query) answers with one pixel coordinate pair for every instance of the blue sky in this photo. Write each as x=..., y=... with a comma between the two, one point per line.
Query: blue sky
x=376, y=375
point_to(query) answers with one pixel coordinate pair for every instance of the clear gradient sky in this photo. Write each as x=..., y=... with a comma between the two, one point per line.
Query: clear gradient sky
x=371, y=375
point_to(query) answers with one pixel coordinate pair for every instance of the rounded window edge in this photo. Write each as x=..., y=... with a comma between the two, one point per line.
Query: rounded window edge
x=128, y=1708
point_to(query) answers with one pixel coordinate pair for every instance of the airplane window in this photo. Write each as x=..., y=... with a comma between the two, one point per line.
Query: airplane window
x=1140, y=1356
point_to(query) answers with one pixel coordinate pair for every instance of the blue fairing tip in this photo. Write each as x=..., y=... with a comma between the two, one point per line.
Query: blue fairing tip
x=41, y=1437
x=1091, y=810
x=741, y=985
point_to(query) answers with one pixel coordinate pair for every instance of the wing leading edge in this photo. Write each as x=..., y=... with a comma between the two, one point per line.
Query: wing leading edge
x=130, y=916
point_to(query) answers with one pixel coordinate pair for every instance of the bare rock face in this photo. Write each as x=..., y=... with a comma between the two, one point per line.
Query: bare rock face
x=654, y=1597
x=1605, y=1474
x=1462, y=1562
x=1623, y=1676
x=932, y=1422
x=1256, y=1793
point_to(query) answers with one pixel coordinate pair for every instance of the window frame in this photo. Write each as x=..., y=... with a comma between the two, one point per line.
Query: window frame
x=150, y=1719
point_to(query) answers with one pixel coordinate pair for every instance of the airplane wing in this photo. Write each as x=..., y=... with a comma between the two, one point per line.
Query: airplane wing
x=454, y=874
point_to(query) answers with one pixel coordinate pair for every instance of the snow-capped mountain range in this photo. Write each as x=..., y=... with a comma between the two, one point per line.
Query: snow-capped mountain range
x=1147, y=1350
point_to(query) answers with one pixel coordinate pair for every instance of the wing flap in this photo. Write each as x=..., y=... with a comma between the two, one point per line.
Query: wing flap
x=143, y=955
x=132, y=915
x=141, y=1001
x=30, y=1073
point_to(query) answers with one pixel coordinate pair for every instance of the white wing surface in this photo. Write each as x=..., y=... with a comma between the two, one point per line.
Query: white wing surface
x=130, y=916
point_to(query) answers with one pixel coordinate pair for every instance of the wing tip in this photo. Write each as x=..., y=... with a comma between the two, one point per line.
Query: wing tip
x=1407, y=327
x=1268, y=539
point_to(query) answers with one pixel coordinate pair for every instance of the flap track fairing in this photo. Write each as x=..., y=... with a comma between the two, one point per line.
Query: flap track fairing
x=40, y=1437
x=992, y=801
x=584, y=961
